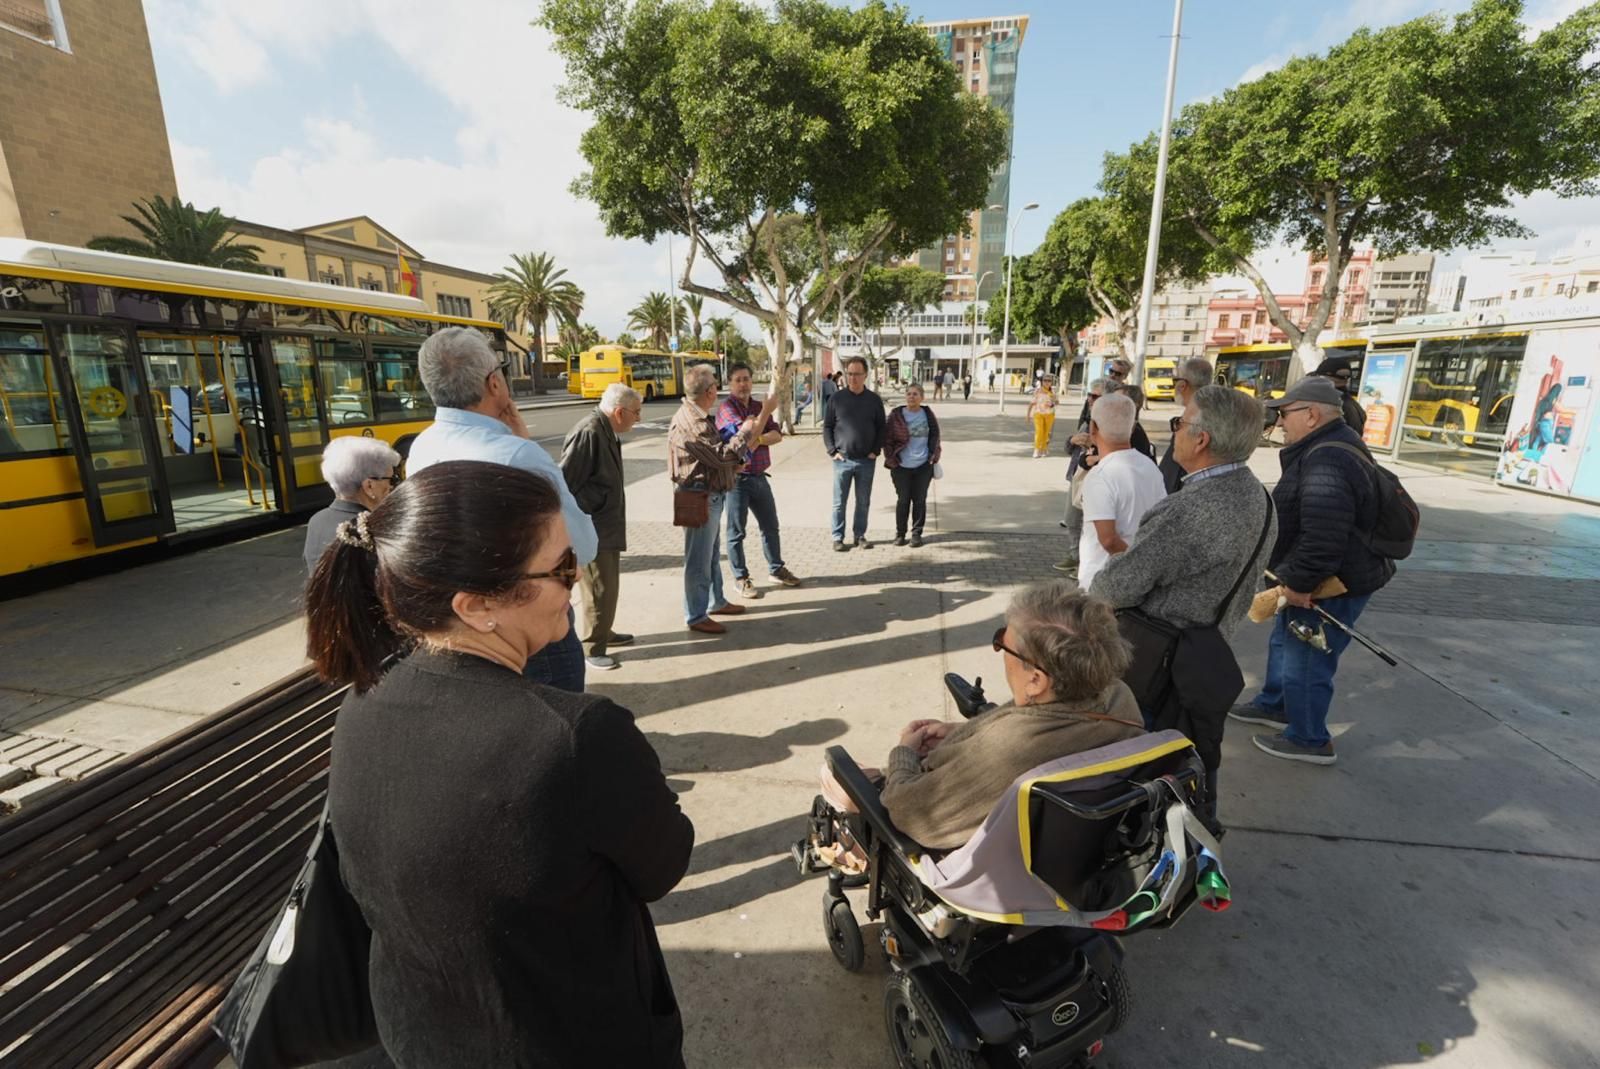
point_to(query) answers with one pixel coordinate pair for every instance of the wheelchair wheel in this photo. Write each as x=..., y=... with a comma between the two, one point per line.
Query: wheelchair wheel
x=844, y=934
x=917, y=1035
x=1120, y=995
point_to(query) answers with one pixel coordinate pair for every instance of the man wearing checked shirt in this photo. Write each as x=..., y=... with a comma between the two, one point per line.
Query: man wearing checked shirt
x=478, y=420
x=752, y=492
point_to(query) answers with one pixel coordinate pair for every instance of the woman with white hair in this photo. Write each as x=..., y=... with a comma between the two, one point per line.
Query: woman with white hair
x=361, y=472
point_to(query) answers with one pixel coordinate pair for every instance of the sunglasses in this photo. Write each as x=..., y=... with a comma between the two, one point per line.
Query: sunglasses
x=1001, y=647
x=565, y=571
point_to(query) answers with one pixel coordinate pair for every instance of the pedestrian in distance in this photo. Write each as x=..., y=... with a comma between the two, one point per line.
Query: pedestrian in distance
x=1328, y=507
x=1123, y=486
x=991, y=382
x=1190, y=376
x=1341, y=370
x=830, y=386
x=700, y=459
x=853, y=436
x=501, y=838
x=966, y=386
x=361, y=471
x=752, y=490
x=911, y=448
x=1042, y=411
x=476, y=418
x=591, y=463
x=1195, y=561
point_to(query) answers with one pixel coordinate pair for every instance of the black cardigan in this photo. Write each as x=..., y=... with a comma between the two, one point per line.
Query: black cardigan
x=502, y=839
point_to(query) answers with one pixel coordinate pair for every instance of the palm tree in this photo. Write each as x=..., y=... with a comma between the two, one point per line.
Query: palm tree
x=653, y=317
x=529, y=291
x=694, y=303
x=178, y=231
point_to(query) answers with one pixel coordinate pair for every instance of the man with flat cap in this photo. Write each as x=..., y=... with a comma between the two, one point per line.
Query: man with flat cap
x=1327, y=503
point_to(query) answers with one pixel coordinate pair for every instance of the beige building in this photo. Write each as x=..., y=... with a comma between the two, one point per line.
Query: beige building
x=1400, y=287
x=82, y=133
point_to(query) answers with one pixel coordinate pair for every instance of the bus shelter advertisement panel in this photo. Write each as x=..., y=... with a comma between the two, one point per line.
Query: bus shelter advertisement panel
x=1383, y=387
x=1554, y=415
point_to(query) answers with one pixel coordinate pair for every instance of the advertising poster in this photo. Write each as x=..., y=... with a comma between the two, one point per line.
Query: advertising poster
x=1553, y=417
x=1383, y=387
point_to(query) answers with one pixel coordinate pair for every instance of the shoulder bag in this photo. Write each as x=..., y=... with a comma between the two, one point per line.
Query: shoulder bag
x=691, y=505
x=303, y=997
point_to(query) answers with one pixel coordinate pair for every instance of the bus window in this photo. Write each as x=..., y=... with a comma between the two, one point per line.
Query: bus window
x=1463, y=385
x=30, y=406
x=343, y=370
x=400, y=394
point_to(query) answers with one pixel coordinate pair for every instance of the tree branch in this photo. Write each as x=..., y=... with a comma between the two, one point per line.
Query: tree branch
x=1248, y=270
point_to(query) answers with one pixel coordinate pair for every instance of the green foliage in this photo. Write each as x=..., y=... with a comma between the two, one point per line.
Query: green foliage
x=893, y=295
x=694, y=304
x=653, y=318
x=529, y=291
x=626, y=340
x=175, y=230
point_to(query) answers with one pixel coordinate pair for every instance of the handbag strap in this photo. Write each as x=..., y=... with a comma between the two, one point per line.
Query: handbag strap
x=1266, y=524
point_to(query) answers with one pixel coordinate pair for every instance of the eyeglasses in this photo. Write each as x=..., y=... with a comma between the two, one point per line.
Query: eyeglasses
x=504, y=368
x=1114, y=373
x=636, y=413
x=393, y=478
x=1286, y=411
x=856, y=374
x=566, y=570
x=1001, y=647
x=1178, y=421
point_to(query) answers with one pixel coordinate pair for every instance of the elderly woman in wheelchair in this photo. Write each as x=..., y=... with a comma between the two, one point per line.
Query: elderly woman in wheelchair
x=1001, y=853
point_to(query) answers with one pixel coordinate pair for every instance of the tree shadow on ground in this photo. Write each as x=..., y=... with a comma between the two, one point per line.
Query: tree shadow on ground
x=724, y=751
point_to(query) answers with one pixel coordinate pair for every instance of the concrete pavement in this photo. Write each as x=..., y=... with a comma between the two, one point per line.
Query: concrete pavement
x=1428, y=899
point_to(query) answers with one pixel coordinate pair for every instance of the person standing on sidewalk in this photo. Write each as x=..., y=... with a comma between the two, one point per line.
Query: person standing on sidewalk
x=751, y=491
x=1123, y=486
x=852, y=434
x=1042, y=410
x=591, y=461
x=477, y=419
x=829, y=387
x=910, y=450
x=966, y=386
x=1327, y=510
x=699, y=459
x=1340, y=370
x=1081, y=456
x=1188, y=377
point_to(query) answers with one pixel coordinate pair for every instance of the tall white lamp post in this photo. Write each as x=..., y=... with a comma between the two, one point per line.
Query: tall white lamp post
x=1005, y=336
x=972, y=364
x=1152, y=250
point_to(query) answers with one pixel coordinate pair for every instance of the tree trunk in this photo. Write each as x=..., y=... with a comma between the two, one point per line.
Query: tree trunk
x=538, y=358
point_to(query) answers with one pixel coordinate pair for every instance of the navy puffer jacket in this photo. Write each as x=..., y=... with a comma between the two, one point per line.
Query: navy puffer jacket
x=1325, y=500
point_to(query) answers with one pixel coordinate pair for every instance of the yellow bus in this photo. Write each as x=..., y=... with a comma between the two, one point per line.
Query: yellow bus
x=1158, y=379
x=1463, y=384
x=146, y=403
x=652, y=372
x=1262, y=371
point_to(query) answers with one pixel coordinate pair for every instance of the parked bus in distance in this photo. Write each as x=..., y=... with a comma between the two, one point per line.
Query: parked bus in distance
x=1158, y=379
x=146, y=403
x=650, y=371
x=1262, y=371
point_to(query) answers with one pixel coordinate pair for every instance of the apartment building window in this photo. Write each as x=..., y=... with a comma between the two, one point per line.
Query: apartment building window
x=455, y=306
x=275, y=272
x=37, y=19
x=1223, y=321
x=373, y=284
x=1593, y=287
x=328, y=278
x=1316, y=279
x=1561, y=289
x=1526, y=292
x=1188, y=337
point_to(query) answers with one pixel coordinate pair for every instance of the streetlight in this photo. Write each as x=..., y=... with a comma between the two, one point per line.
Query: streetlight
x=1152, y=249
x=975, y=289
x=1005, y=335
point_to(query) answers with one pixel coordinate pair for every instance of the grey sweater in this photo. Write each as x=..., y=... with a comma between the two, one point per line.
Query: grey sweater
x=1188, y=551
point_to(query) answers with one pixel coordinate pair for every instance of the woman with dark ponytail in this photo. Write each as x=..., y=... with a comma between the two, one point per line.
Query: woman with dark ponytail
x=502, y=837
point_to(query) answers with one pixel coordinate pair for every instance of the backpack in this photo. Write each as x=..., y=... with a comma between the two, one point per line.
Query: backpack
x=1395, y=532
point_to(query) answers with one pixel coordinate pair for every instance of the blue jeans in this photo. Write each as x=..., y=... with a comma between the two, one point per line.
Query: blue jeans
x=752, y=493
x=846, y=472
x=559, y=664
x=1299, y=681
x=702, y=564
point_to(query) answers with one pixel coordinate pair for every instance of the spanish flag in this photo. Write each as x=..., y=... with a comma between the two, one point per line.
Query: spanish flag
x=408, y=278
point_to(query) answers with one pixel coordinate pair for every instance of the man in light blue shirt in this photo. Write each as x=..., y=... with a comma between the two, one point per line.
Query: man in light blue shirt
x=477, y=419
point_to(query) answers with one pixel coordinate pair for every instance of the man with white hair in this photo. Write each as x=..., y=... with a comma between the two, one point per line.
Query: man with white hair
x=361, y=471
x=1188, y=377
x=477, y=419
x=591, y=461
x=1081, y=457
x=699, y=460
x=1123, y=486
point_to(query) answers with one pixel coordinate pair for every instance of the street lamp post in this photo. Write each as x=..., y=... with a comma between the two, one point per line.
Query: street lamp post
x=972, y=364
x=1005, y=335
x=1153, y=243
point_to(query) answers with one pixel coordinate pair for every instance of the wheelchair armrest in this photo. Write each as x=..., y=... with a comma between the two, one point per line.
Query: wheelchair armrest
x=1145, y=792
x=849, y=776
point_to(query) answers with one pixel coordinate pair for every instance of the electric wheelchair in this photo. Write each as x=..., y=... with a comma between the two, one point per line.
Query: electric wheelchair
x=1005, y=952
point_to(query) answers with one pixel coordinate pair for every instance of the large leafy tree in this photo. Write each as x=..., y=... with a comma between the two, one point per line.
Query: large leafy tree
x=721, y=328
x=653, y=318
x=1045, y=300
x=890, y=296
x=527, y=293
x=722, y=120
x=176, y=230
x=1413, y=137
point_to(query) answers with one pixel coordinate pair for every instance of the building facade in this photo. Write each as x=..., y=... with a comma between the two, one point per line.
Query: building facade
x=1178, y=322
x=984, y=52
x=82, y=133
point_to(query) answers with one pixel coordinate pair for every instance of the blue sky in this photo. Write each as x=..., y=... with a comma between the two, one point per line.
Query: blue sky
x=441, y=121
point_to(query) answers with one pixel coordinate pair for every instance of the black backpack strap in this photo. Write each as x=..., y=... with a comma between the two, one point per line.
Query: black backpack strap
x=1266, y=525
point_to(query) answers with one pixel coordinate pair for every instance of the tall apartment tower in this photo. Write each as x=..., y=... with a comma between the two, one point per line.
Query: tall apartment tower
x=984, y=52
x=82, y=134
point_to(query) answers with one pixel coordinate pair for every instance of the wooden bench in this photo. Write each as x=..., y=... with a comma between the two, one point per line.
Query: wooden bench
x=129, y=902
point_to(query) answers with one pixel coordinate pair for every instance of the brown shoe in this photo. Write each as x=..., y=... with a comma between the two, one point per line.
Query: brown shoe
x=729, y=609
x=708, y=627
x=786, y=577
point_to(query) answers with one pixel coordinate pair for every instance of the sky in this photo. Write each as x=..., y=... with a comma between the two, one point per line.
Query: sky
x=441, y=121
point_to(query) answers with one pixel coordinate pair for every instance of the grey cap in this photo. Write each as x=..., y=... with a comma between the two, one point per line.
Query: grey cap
x=1313, y=389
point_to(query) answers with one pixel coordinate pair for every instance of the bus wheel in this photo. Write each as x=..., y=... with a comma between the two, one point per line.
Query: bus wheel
x=649, y=394
x=1451, y=428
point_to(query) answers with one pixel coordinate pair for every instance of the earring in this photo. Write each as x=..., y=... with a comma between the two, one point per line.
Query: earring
x=491, y=625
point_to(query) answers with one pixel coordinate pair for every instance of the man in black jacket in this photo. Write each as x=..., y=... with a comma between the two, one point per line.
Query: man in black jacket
x=591, y=463
x=852, y=433
x=1327, y=504
x=1188, y=378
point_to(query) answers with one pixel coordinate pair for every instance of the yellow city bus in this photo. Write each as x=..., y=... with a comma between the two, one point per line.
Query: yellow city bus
x=1158, y=379
x=144, y=402
x=1262, y=371
x=652, y=372
x=1463, y=385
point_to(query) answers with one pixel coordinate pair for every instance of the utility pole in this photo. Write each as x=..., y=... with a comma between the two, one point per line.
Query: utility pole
x=1152, y=250
x=1005, y=336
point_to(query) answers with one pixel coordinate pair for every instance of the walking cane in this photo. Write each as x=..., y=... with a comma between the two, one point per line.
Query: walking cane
x=1382, y=653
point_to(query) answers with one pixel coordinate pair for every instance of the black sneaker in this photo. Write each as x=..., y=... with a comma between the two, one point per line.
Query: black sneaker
x=916, y=541
x=840, y=547
x=1279, y=746
x=1254, y=714
x=900, y=540
x=862, y=543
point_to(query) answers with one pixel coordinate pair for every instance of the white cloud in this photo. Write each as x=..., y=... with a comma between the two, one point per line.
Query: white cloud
x=501, y=187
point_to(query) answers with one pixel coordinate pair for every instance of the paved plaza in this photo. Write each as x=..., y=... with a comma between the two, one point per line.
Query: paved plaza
x=1430, y=899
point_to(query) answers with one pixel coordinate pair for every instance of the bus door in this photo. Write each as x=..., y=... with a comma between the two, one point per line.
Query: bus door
x=113, y=427
x=296, y=420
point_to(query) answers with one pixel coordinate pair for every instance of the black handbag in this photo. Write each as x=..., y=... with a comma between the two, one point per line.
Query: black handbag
x=304, y=997
x=1207, y=670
